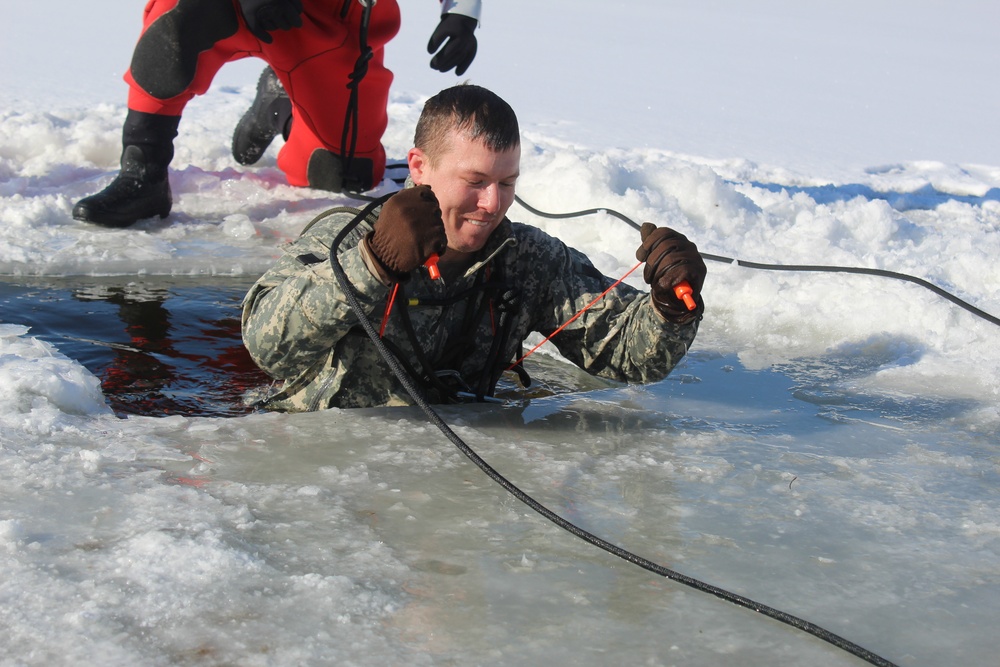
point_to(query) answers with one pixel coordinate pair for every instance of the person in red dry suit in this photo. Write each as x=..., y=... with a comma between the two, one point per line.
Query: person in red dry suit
x=326, y=78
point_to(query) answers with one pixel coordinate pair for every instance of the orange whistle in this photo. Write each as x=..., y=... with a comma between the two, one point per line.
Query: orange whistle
x=686, y=294
x=432, y=267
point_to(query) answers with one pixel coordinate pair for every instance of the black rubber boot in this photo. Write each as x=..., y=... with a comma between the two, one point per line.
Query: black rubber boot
x=141, y=189
x=269, y=115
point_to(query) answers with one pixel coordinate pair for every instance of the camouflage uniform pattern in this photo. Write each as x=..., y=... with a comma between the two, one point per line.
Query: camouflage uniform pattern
x=298, y=326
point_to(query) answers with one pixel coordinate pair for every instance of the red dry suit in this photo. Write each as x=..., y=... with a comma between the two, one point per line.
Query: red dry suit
x=184, y=43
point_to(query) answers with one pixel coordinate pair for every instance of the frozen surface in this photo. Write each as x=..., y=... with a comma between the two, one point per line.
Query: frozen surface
x=829, y=447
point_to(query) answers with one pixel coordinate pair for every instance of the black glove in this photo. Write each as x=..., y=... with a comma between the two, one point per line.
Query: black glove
x=408, y=231
x=263, y=16
x=460, y=31
x=670, y=259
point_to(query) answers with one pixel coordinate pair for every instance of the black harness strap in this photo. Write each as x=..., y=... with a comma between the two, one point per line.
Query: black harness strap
x=479, y=298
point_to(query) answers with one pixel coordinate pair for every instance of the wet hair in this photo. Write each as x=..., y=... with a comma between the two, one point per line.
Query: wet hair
x=480, y=113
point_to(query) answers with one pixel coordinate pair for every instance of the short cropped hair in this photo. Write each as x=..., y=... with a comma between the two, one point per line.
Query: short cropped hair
x=480, y=113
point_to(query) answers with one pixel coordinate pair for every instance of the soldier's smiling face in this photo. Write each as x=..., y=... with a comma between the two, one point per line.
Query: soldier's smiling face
x=474, y=186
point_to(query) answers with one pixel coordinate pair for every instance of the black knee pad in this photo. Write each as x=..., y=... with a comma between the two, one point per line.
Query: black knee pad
x=166, y=57
x=326, y=171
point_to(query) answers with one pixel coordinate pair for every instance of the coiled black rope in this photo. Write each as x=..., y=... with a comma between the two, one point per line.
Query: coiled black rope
x=419, y=399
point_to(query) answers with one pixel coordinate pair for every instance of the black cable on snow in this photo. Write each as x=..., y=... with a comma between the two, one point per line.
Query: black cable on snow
x=415, y=392
x=785, y=267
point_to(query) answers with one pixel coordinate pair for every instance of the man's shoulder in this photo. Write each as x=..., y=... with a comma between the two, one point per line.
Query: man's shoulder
x=531, y=236
x=548, y=253
x=332, y=221
x=322, y=231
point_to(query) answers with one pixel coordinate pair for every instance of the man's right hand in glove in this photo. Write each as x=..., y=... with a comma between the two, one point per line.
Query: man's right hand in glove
x=264, y=16
x=408, y=231
x=671, y=259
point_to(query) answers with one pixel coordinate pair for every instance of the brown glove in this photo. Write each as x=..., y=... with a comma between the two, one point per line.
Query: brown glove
x=408, y=231
x=670, y=259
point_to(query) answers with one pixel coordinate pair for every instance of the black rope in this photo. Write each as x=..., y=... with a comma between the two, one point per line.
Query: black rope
x=419, y=399
x=785, y=267
x=354, y=82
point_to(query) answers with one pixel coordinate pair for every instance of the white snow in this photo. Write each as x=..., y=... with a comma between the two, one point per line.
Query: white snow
x=830, y=447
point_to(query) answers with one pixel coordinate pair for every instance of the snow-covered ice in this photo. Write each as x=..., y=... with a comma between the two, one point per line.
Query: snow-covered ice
x=829, y=447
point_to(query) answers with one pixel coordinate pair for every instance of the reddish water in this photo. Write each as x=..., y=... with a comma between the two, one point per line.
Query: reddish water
x=160, y=345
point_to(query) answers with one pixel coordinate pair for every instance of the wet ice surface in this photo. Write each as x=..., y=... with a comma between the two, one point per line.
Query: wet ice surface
x=358, y=537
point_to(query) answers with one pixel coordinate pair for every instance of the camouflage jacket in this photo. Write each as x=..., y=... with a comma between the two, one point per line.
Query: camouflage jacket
x=299, y=327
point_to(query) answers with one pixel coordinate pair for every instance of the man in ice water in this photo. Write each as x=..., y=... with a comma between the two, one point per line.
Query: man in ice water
x=499, y=282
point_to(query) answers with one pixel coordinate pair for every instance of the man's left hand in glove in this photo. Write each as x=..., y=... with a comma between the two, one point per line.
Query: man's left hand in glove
x=458, y=34
x=671, y=259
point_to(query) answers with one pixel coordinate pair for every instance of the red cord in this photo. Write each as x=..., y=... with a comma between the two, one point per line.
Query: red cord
x=572, y=319
x=388, y=309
